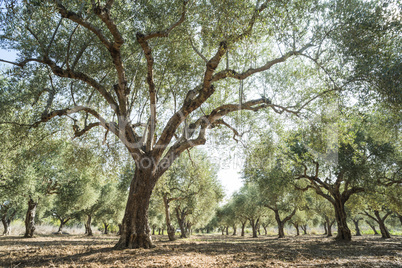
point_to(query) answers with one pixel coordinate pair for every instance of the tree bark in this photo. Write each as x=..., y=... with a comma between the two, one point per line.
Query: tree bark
x=106, y=226
x=234, y=229
x=243, y=226
x=325, y=228
x=329, y=224
x=62, y=222
x=281, y=223
x=6, y=224
x=297, y=228
x=135, y=231
x=344, y=233
x=30, y=218
x=381, y=221
x=170, y=229
x=356, y=223
x=88, y=227
x=304, y=228
x=254, y=225
x=372, y=227
x=227, y=230
x=181, y=218
x=265, y=229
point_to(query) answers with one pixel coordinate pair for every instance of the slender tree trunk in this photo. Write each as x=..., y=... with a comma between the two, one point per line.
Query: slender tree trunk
x=304, y=228
x=119, y=231
x=372, y=226
x=30, y=218
x=135, y=232
x=106, y=226
x=159, y=231
x=88, y=225
x=62, y=222
x=265, y=229
x=344, y=233
x=381, y=221
x=281, y=225
x=356, y=223
x=234, y=229
x=243, y=226
x=254, y=226
x=325, y=228
x=170, y=229
x=223, y=230
x=227, y=230
x=297, y=228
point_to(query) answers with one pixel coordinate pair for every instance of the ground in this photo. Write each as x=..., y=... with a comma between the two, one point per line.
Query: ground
x=201, y=251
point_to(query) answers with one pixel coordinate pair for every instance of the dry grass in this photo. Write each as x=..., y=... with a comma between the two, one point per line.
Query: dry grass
x=201, y=251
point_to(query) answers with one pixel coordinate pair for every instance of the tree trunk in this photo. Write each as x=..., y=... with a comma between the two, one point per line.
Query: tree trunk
x=344, y=233
x=400, y=218
x=62, y=222
x=325, y=228
x=181, y=219
x=356, y=222
x=304, y=228
x=170, y=229
x=234, y=229
x=6, y=224
x=106, y=226
x=30, y=218
x=119, y=231
x=297, y=228
x=243, y=226
x=88, y=227
x=227, y=230
x=381, y=221
x=372, y=227
x=254, y=226
x=135, y=232
x=265, y=229
x=330, y=223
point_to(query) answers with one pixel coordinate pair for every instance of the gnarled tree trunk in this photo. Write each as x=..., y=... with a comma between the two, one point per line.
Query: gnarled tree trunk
x=281, y=223
x=344, y=233
x=170, y=228
x=30, y=218
x=88, y=228
x=135, y=231
x=304, y=228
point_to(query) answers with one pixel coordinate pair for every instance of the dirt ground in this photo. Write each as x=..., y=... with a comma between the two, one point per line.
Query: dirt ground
x=202, y=251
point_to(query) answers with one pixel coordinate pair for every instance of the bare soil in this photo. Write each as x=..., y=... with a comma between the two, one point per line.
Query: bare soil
x=202, y=251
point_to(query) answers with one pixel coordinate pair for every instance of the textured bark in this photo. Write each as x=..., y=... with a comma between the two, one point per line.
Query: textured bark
x=357, y=229
x=181, y=219
x=344, y=233
x=329, y=226
x=135, y=231
x=170, y=229
x=30, y=218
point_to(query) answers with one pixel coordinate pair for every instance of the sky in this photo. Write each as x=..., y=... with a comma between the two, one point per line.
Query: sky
x=230, y=165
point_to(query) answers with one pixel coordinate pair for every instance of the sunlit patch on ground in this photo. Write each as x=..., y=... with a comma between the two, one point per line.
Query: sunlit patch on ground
x=202, y=251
